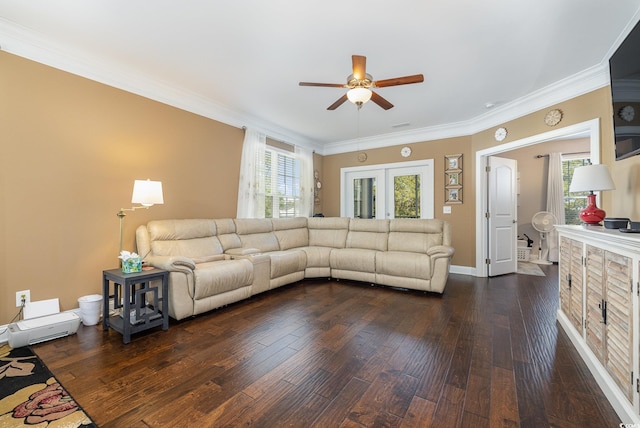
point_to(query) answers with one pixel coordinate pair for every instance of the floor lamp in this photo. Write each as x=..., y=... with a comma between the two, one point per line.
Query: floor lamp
x=147, y=193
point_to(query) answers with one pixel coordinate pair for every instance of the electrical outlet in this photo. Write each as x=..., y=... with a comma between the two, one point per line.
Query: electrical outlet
x=27, y=297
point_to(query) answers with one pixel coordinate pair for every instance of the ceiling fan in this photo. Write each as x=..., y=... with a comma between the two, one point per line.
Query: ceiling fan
x=360, y=83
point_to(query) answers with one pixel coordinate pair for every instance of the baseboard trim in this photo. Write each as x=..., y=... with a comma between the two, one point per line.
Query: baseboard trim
x=463, y=270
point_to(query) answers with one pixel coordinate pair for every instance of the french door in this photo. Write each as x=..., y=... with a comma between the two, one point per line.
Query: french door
x=399, y=190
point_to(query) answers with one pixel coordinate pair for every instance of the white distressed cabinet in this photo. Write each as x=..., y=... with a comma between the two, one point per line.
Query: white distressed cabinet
x=599, y=308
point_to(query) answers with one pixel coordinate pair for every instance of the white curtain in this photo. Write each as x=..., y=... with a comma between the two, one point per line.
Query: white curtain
x=251, y=188
x=555, y=201
x=305, y=157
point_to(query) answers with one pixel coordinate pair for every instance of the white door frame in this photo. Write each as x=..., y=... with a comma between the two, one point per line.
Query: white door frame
x=590, y=127
x=428, y=203
x=502, y=227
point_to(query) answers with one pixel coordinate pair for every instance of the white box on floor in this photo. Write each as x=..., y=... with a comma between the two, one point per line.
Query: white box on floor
x=36, y=330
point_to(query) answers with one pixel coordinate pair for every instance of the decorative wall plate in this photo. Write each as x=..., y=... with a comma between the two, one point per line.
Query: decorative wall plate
x=553, y=117
x=501, y=134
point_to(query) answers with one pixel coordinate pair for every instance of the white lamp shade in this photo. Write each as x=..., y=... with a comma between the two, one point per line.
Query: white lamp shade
x=359, y=95
x=147, y=193
x=591, y=178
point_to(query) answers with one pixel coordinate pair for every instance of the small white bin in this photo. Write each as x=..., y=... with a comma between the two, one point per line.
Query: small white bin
x=90, y=308
x=524, y=253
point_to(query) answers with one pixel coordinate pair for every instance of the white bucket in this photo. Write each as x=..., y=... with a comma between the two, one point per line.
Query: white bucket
x=90, y=308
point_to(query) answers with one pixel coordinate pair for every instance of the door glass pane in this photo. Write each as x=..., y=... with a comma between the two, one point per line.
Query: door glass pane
x=364, y=198
x=406, y=195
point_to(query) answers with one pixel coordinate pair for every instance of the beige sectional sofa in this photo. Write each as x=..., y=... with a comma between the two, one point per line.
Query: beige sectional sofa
x=214, y=262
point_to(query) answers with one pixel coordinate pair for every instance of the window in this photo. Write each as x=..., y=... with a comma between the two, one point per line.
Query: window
x=406, y=190
x=576, y=201
x=282, y=185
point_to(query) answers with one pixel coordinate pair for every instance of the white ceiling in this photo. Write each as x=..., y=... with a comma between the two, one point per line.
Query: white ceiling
x=240, y=61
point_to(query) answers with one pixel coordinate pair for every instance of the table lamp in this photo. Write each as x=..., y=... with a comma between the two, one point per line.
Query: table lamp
x=147, y=193
x=591, y=178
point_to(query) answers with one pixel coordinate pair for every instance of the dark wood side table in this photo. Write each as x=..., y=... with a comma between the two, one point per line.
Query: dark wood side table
x=141, y=305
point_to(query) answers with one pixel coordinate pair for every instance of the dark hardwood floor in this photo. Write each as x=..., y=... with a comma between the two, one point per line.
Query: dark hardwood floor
x=488, y=353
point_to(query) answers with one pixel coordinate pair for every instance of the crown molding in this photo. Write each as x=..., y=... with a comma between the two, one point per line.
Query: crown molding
x=31, y=45
x=397, y=138
x=579, y=84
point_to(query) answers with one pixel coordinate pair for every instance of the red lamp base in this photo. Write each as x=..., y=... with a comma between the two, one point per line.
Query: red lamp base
x=592, y=214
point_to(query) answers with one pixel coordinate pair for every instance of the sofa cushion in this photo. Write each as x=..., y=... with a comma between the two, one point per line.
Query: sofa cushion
x=368, y=234
x=227, y=234
x=291, y=232
x=328, y=231
x=246, y=226
x=286, y=262
x=403, y=264
x=193, y=238
x=166, y=230
x=221, y=276
x=257, y=233
x=207, y=259
x=353, y=259
x=415, y=235
x=318, y=256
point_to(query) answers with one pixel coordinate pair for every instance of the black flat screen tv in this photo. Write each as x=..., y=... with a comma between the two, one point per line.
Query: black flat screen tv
x=624, y=67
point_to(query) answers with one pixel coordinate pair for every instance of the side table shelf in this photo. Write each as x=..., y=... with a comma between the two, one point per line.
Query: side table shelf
x=141, y=305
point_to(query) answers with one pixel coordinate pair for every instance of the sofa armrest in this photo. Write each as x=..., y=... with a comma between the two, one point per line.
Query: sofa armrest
x=438, y=251
x=242, y=251
x=172, y=263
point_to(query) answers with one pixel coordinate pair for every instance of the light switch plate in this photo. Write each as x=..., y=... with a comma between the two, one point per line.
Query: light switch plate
x=446, y=209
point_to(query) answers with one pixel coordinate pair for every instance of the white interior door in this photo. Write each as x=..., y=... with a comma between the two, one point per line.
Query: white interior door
x=502, y=213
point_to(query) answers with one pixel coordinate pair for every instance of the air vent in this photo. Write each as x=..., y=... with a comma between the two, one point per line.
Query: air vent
x=400, y=125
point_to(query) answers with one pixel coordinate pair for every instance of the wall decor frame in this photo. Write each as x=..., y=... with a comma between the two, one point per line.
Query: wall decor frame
x=453, y=179
x=453, y=195
x=453, y=163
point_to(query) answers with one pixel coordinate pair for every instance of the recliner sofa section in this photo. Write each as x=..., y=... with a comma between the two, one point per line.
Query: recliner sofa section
x=216, y=262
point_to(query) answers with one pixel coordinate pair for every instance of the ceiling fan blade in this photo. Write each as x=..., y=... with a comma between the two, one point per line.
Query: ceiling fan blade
x=405, y=80
x=338, y=103
x=359, y=66
x=327, y=85
x=380, y=101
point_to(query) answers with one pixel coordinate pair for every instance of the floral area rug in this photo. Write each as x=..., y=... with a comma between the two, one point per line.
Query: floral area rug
x=30, y=396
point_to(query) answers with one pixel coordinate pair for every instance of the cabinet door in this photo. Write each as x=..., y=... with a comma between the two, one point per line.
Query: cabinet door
x=565, y=275
x=595, y=328
x=576, y=285
x=571, y=281
x=619, y=327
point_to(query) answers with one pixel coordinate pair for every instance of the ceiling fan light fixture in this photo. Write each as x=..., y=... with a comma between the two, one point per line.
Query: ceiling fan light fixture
x=359, y=95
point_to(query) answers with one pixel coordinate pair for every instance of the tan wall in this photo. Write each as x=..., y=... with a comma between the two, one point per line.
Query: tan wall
x=71, y=149
x=464, y=230
x=593, y=105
